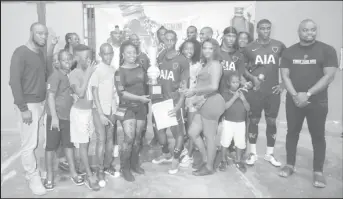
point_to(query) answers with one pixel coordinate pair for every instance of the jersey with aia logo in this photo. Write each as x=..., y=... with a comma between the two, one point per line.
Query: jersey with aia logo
x=265, y=59
x=174, y=73
x=230, y=62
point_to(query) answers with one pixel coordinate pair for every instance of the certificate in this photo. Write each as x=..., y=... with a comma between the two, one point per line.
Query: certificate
x=160, y=111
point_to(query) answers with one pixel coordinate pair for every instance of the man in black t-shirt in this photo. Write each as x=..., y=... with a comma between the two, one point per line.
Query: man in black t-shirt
x=308, y=67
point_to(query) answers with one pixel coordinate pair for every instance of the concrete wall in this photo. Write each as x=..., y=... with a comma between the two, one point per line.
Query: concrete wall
x=286, y=16
x=16, y=19
x=63, y=17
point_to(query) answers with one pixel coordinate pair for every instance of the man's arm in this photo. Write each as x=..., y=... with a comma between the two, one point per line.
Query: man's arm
x=329, y=68
x=285, y=68
x=184, y=72
x=52, y=87
x=16, y=73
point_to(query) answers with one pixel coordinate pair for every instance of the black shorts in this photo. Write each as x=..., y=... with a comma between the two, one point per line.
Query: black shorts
x=259, y=101
x=138, y=112
x=54, y=137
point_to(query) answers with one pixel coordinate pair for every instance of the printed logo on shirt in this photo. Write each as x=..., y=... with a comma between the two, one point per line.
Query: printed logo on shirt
x=228, y=65
x=304, y=61
x=167, y=75
x=175, y=65
x=265, y=60
x=275, y=49
x=142, y=61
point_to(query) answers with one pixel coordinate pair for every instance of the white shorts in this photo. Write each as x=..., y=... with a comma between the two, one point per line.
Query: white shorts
x=235, y=130
x=81, y=125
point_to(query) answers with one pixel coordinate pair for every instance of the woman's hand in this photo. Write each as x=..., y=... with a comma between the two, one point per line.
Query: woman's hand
x=189, y=93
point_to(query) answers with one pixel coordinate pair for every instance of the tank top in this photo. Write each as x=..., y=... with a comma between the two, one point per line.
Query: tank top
x=204, y=77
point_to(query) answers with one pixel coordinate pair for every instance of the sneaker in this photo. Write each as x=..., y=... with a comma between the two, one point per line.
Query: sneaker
x=116, y=151
x=165, y=157
x=223, y=165
x=112, y=172
x=270, y=158
x=64, y=166
x=186, y=161
x=184, y=152
x=175, y=166
x=92, y=185
x=78, y=180
x=101, y=177
x=251, y=159
x=36, y=185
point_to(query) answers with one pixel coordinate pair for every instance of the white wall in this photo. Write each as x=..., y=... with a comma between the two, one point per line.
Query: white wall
x=64, y=17
x=286, y=16
x=16, y=19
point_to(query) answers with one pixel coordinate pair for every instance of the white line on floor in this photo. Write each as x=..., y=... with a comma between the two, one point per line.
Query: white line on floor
x=11, y=159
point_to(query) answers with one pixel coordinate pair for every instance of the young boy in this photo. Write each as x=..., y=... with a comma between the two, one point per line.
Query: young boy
x=81, y=118
x=57, y=123
x=102, y=86
x=234, y=122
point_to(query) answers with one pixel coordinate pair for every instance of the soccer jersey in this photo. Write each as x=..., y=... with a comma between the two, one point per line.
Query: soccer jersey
x=58, y=83
x=306, y=63
x=174, y=73
x=230, y=63
x=264, y=59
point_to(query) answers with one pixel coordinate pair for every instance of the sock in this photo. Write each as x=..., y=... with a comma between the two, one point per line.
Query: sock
x=253, y=148
x=270, y=150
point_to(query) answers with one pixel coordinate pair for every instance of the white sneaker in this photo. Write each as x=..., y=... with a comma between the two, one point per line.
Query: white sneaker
x=165, y=157
x=252, y=159
x=184, y=152
x=270, y=158
x=174, y=167
x=116, y=151
x=186, y=161
x=36, y=185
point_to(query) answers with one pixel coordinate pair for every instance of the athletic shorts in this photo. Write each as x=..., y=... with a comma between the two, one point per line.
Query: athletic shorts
x=235, y=131
x=213, y=108
x=259, y=101
x=138, y=113
x=81, y=125
x=55, y=137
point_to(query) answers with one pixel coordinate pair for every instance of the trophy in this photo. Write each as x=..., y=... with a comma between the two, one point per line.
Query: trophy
x=153, y=72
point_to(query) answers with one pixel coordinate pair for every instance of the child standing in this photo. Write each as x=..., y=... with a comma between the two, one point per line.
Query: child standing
x=58, y=121
x=234, y=122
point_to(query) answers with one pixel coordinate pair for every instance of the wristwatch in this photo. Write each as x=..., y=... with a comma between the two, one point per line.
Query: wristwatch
x=308, y=94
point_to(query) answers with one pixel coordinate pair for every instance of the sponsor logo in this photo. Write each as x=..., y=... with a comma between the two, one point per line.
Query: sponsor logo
x=264, y=60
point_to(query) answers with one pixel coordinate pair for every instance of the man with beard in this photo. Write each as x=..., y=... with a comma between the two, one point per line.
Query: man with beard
x=263, y=56
x=28, y=75
x=174, y=68
x=307, y=68
x=207, y=33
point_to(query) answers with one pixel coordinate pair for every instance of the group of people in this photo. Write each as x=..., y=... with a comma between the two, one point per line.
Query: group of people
x=209, y=83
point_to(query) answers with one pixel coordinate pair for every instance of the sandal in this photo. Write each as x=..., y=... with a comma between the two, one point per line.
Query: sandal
x=319, y=180
x=78, y=180
x=286, y=171
x=49, y=185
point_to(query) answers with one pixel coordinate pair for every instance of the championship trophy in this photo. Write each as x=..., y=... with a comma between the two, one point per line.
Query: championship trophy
x=155, y=89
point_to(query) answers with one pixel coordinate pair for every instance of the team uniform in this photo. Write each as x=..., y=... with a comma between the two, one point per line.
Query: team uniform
x=81, y=120
x=58, y=83
x=306, y=64
x=264, y=59
x=132, y=80
x=233, y=123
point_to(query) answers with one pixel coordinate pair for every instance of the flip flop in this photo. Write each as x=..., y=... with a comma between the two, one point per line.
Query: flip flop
x=319, y=180
x=286, y=171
